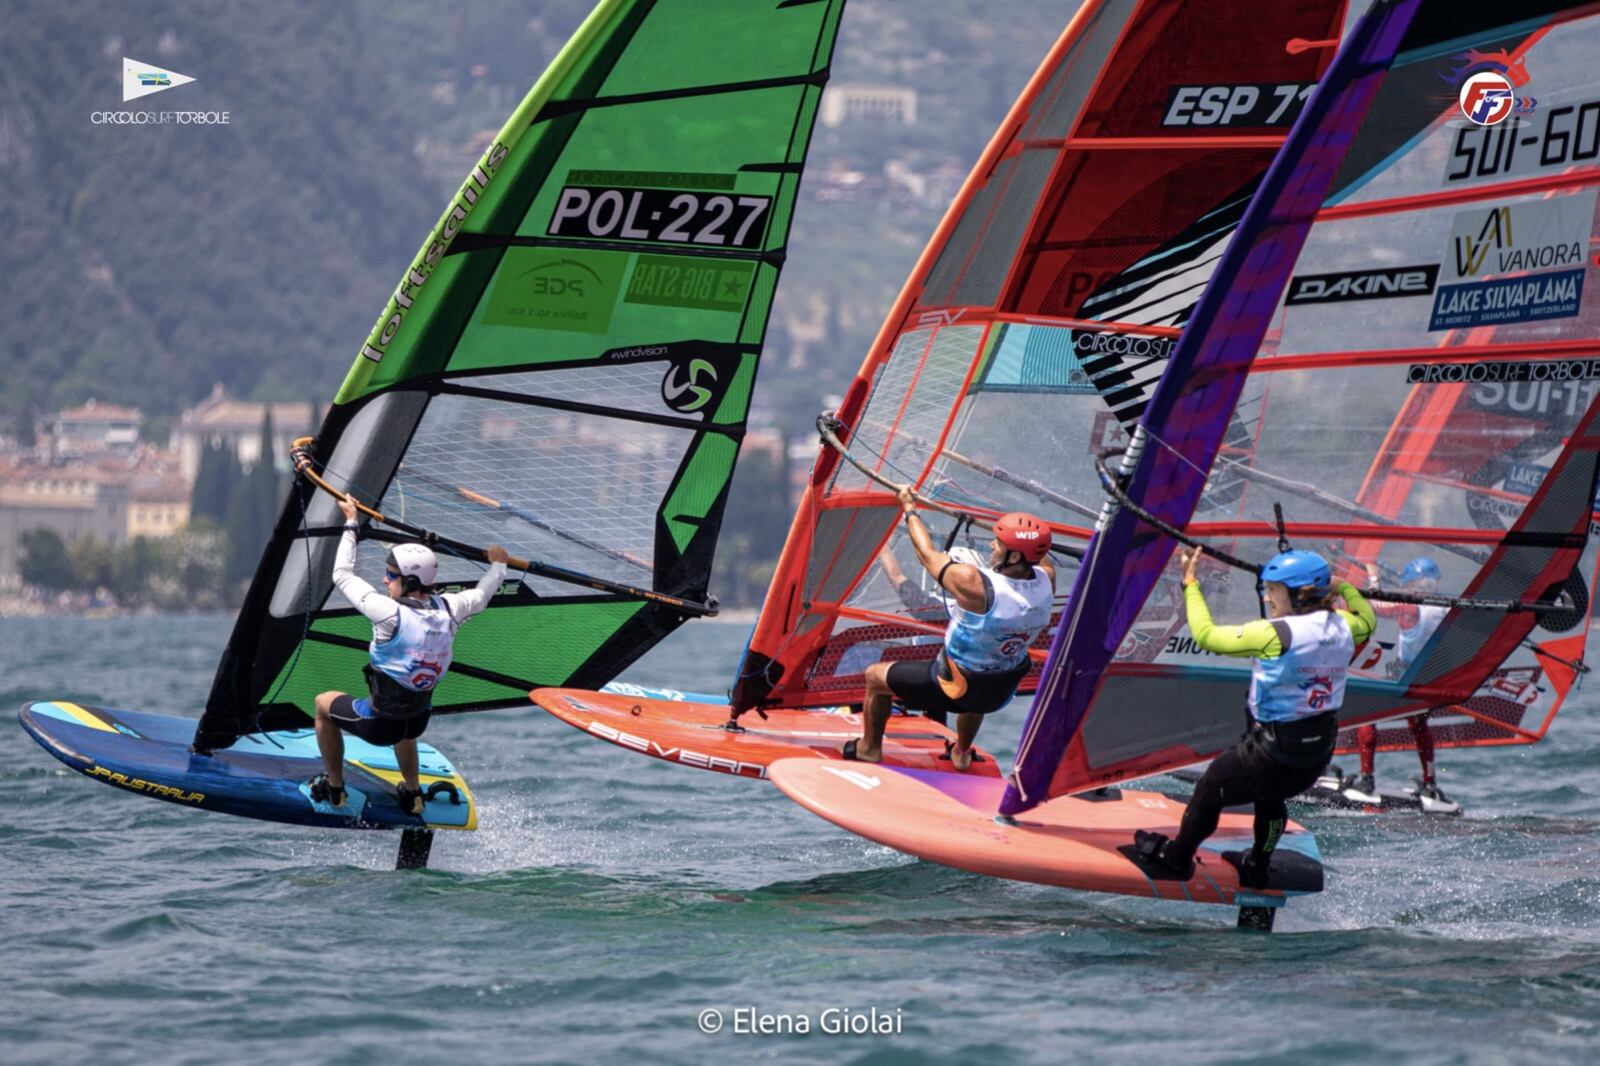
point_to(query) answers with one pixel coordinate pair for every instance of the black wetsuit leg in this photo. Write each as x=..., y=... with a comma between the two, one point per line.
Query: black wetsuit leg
x=1272, y=814
x=1244, y=774
x=1227, y=782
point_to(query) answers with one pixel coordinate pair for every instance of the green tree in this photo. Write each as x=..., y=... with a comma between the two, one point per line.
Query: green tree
x=45, y=563
x=252, y=510
x=138, y=567
x=242, y=542
x=94, y=564
x=213, y=481
x=264, y=477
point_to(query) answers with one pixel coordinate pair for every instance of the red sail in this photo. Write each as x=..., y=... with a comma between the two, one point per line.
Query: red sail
x=1039, y=317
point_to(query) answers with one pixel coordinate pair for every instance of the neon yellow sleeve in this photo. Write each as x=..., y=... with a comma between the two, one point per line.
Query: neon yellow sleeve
x=1256, y=639
x=1360, y=616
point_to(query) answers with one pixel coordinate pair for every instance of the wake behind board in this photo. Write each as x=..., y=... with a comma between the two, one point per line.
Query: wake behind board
x=1082, y=842
x=262, y=775
x=694, y=734
x=1335, y=792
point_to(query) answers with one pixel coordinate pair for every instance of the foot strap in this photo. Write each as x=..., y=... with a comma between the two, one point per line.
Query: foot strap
x=1151, y=852
x=950, y=747
x=1255, y=867
x=410, y=799
x=324, y=791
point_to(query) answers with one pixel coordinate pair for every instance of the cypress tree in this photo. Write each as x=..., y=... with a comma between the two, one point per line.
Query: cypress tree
x=252, y=510
x=264, y=479
x=213, y=482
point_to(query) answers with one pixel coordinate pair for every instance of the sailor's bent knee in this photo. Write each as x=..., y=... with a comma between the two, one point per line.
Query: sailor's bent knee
x=877, y=677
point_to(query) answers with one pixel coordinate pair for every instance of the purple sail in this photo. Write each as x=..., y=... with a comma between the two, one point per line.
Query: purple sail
x=1192, y=405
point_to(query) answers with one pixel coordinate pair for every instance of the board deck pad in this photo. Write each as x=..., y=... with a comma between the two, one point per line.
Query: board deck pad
x=262, y=775
x=691, y=733
x=1071, y=842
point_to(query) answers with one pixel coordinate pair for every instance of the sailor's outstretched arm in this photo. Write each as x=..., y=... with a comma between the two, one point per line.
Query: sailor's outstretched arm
x=1256, y=639
x=1360, y=616
x=466, y=604
x=373, y=604
x=961, y=580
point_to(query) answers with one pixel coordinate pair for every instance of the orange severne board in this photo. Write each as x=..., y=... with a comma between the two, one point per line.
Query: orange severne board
x=694, y=734
x=1072, y=842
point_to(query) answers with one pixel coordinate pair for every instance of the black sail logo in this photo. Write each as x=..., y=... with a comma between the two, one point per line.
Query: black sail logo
x=688, y=387
x=1362, y=285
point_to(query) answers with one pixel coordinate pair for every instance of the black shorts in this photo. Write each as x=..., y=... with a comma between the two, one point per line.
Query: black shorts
x=384, y=732
x=939, y=685
x=1245, y=773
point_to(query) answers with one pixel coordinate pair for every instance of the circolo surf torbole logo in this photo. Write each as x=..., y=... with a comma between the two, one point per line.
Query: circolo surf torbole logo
x=140, y=79
x=143, y=79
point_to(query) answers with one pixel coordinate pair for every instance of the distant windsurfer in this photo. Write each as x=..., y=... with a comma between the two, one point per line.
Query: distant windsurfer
x=918, y=601
x=1417, y=624
x=412, y=632
x=1301, y=654
x=996, y=609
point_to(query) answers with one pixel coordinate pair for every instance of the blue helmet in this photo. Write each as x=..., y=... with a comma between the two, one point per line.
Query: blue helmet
x=1298, y=570
x=1420, y=568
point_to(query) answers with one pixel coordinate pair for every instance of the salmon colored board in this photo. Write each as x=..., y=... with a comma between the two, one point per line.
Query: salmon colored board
x=1073, y=842
x=694, y=734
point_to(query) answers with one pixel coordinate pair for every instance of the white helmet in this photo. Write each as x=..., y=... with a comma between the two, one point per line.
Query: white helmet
x=415, y=564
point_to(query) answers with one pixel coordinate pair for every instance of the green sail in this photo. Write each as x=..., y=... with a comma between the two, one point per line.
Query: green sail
x=565, y=368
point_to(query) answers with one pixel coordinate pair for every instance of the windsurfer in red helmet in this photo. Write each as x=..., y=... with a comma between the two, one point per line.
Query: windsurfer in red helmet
x=996, y=607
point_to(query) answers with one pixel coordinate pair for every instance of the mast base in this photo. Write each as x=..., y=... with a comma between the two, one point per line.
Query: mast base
x=1259, y=919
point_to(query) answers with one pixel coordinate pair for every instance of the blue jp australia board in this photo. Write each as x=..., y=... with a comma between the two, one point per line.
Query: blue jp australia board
x=263, y=775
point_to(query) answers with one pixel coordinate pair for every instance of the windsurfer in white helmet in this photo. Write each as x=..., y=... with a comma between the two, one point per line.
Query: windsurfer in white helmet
x=412, y=632
x=996, y=608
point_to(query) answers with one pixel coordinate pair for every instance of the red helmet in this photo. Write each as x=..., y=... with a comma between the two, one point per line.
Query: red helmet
x=1023, y=533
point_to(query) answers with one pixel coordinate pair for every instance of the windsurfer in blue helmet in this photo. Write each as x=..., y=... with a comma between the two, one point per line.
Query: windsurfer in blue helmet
x=1417, y=623
x=1302, y=655
x=412, y=632
x=996, y=607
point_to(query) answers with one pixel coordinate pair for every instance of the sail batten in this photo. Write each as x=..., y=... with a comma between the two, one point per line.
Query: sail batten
x=1373, y=208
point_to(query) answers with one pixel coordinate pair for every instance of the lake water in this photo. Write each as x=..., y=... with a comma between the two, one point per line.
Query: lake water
x=608, y=900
